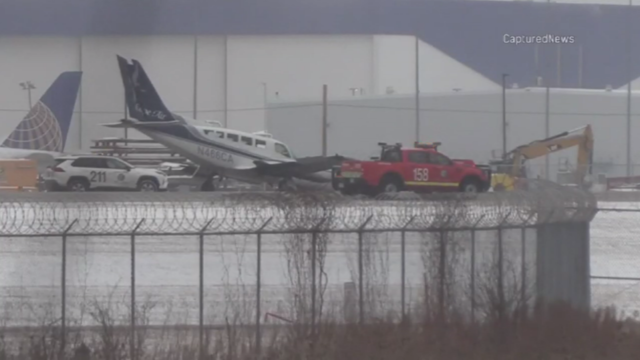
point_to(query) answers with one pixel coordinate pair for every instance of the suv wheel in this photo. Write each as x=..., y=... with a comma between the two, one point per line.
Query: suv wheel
x=147, y=185
x=78, y=185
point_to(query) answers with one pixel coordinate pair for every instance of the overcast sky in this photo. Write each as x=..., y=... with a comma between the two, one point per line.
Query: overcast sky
x=608, y=2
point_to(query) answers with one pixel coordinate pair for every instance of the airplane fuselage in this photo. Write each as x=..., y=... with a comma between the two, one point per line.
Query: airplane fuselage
x=219, y=156
x=252, y=158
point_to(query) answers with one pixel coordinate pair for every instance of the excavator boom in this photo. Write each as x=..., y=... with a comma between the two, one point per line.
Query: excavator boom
x=581, y=137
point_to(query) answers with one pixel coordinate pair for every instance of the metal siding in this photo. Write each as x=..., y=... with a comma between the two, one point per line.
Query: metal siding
x=469, y=125
x=586, y=253
x=562, y=265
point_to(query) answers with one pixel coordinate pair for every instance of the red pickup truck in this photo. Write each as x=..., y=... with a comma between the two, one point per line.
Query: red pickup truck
x=420, y=169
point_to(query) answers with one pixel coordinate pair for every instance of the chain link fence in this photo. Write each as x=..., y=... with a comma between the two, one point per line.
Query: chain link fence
x=208, y=261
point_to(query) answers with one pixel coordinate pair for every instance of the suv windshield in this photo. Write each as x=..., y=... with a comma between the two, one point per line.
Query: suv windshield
x=125, y=163
x=58, y=162
x=116, y=164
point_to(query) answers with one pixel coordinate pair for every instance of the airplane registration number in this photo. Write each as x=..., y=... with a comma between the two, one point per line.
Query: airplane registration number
x=215, y=154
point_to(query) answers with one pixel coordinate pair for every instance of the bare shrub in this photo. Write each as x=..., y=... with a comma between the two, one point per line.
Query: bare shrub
x=549, y=331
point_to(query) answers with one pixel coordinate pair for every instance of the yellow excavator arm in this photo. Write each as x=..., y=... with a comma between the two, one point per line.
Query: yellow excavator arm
x=515, y=159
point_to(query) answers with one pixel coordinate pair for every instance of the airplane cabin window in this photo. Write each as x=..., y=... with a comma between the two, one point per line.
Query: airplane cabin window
x=220, y=134
x=261, y=144
x=247, y=140
x=282, y=150
x=233, y=137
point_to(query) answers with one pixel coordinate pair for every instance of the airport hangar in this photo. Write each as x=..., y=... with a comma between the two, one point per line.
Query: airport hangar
x=229, y=61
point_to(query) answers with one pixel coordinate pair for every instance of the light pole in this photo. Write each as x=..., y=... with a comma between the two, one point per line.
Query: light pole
x=265, y=115
x=417, y=89
x=28, y=85
x=504, y=114
x=264, y=94
x=629, y=76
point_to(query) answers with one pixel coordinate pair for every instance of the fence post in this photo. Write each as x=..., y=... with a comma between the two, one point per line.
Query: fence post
x=132, y=337
x=473, y=268
x=523, y=291
x=314, y=245
x=501, y=300
x=500, y=289
x=361, y=271
x=442, y=277
x=201, y=293
x=443, y=271
x=585, y=263
x=548, y=219
x=63, y=320
x=403, y=267
x=258, y=285
x=541, y=224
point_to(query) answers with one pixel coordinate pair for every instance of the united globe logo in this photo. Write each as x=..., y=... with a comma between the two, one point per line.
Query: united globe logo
x=39, y=130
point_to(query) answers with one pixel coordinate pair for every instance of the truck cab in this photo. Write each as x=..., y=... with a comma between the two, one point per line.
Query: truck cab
x=421, y=168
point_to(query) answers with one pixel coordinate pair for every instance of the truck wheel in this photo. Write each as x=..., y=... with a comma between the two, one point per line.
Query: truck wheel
x=470, y=186
x=79, y=185
x=390, y=185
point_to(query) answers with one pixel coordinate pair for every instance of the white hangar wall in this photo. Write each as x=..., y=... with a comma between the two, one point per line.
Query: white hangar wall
x=469, y=124
x=261, y=69
x=229, y=80
x=394, y=59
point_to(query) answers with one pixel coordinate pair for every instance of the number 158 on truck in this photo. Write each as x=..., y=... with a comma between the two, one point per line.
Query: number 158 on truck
x=421, y=168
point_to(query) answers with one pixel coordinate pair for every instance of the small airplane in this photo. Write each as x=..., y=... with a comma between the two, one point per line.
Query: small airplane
x=42, y=134
x=254, y=158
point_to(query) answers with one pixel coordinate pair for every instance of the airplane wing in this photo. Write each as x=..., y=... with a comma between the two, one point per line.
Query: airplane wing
x=299, y=168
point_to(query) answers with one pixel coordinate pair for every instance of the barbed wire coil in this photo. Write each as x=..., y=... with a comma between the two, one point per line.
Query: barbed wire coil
x=52, y=214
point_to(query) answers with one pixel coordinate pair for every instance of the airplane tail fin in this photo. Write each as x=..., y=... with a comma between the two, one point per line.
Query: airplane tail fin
x=143, y=102
x=47, y=124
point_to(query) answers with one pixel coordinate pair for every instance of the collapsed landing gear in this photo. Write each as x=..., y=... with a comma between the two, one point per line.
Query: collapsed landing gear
x=286, y=185
x=208, y=184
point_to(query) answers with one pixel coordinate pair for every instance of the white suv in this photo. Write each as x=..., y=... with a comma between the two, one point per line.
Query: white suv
x=84, y=173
